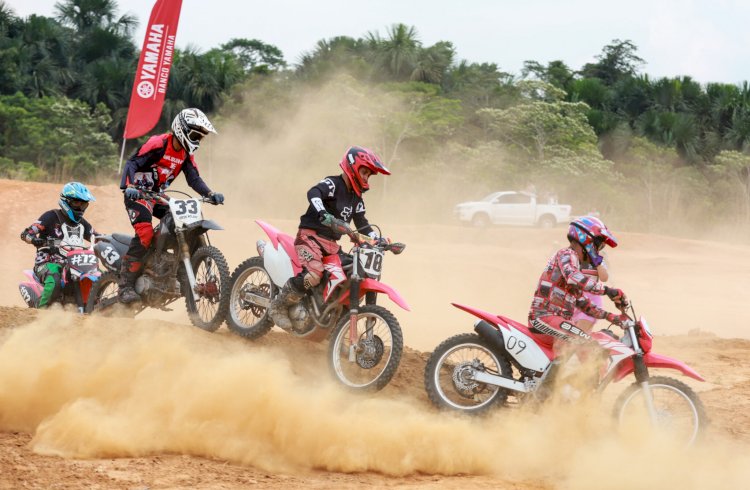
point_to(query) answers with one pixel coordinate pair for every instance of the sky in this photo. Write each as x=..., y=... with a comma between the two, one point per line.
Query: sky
x=708, y=39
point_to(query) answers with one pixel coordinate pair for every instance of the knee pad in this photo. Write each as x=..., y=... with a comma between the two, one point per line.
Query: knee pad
x=145, y=233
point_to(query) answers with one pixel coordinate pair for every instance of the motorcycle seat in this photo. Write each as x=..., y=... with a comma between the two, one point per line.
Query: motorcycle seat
x=122, y=238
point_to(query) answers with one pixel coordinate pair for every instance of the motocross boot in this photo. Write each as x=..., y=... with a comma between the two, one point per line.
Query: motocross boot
x=127, y=293
x=289, y=295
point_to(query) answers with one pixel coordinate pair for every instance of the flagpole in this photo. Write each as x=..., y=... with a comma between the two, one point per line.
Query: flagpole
x=122, y=154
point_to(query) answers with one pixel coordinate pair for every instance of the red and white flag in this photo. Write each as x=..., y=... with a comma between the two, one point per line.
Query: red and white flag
x=150, y=84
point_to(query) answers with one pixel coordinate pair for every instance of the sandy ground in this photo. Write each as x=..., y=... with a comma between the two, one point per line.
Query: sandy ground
x=155, y=403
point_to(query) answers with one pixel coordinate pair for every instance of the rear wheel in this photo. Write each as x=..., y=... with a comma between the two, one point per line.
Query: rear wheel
x=448, y=374
x=547, y=222
x=250, y=297
x=677, y=409
x=212, y=289
x=370, y=362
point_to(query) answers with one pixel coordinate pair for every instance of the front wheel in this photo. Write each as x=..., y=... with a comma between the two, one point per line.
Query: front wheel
x=249, y=300
x=677, y=409
x=370, y=361
x=448, y=375
x=212, y=289
x=103, y=294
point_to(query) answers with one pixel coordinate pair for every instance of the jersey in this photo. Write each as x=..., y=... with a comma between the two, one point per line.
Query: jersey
x=331, y=195
x=155, y=165
x=55, y=224
x=561, y=287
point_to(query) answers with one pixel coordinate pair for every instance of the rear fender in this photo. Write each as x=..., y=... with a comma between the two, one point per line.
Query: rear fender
x=30, y=291
x=287, y=243
x=368, y=285
x=656, y=361
x=516, y=339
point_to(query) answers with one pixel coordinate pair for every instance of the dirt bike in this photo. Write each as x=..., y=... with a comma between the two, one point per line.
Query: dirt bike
x=180, y=262
x=365, y=341
x=80, y=271
x=472, y=372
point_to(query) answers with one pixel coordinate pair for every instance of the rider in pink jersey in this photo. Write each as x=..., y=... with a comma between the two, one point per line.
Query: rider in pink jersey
x=562, y=286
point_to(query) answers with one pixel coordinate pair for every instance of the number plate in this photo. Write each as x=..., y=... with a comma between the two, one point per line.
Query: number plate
x=371, y=262
x=185, y=211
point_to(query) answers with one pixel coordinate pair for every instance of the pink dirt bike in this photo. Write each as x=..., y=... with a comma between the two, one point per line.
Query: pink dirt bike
x=80, y=271
x=471, y=372
x=365, y=341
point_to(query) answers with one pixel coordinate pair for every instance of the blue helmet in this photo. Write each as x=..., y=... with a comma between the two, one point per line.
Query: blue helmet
x=74, y=199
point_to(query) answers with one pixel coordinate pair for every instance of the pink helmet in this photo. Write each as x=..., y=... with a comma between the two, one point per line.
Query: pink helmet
x=590, y=229
x=356, y=158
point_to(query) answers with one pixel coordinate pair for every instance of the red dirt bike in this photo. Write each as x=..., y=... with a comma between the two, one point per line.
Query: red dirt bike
x=80, y=272
x=472, y=372
x=365, y=341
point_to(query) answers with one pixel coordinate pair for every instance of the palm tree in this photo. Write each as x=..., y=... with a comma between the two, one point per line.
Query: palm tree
x=397, y=54
x=433, y=63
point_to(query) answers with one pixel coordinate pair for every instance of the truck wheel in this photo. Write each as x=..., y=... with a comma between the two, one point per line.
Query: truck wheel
x=547, y=222
x=480, y=220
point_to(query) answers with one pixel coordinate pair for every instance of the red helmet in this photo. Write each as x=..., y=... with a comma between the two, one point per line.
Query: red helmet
x=590, y=229
x=356, y=158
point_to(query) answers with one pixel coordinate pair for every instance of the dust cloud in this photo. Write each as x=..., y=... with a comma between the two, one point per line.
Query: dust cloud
x=113, y=388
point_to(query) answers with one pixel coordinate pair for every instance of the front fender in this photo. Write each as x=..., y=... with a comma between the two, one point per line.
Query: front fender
x=368, y=285
x=657, y=361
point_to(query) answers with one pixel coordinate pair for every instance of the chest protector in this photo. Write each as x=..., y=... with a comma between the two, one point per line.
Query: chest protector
x=164, y=170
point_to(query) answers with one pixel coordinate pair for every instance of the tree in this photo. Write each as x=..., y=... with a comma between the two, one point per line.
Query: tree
x=398, y=53
x=616, y=61
x=734, y=168
x=255, y=56
x=539, y=127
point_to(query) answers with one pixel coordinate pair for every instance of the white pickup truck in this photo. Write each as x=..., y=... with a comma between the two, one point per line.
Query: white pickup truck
x=512, y=208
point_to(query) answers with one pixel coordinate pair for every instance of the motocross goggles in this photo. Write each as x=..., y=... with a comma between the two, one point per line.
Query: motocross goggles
x=77, y=204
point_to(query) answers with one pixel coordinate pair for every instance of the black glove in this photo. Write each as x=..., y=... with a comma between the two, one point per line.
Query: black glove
x=216, y=197
x=616, y=295
x=132, y=194
x=38, y=242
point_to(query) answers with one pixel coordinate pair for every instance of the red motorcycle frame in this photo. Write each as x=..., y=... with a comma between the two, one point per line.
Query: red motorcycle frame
x=366, y=340
x=471, y=372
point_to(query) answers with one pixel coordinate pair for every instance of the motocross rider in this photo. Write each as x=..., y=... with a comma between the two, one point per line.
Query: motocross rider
x=337, y=197
x=67, y=222
x=562, y=284
x=153, y=167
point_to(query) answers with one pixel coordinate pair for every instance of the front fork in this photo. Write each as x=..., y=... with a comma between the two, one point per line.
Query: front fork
x=185, y=253
x=642, y=377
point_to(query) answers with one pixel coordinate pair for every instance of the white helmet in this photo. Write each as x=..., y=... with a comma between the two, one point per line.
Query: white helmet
x=189, y=127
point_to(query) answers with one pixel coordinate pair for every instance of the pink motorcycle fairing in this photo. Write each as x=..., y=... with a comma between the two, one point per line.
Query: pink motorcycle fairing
x=378, y=287
x=656, y=361
x=287, y=242
x=506, y=323
x=33, y=283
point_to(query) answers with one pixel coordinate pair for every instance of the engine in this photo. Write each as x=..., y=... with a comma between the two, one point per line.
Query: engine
x=302, y=322
x=159, y=279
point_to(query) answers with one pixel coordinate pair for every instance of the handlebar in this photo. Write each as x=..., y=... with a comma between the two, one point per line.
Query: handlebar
x=163, y=198
x=342, y=227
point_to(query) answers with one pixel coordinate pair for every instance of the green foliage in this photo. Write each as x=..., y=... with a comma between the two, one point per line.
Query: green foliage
x=63, y=138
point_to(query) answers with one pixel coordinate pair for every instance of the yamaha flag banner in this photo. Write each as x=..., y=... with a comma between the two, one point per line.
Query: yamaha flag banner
x=150, y=84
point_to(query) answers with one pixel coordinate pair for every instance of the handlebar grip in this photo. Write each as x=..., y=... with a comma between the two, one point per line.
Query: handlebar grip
x=397, y=247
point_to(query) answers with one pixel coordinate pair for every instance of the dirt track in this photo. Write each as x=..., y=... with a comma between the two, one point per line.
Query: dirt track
x=158, y=404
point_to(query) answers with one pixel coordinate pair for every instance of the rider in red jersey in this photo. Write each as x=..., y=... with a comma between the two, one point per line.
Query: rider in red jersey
x=562, y=284
x=153, y=167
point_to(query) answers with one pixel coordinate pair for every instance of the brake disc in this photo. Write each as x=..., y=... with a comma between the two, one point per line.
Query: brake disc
x=371, y=352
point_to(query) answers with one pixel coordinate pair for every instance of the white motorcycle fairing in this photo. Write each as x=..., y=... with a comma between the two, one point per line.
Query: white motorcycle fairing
x=276, y=262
